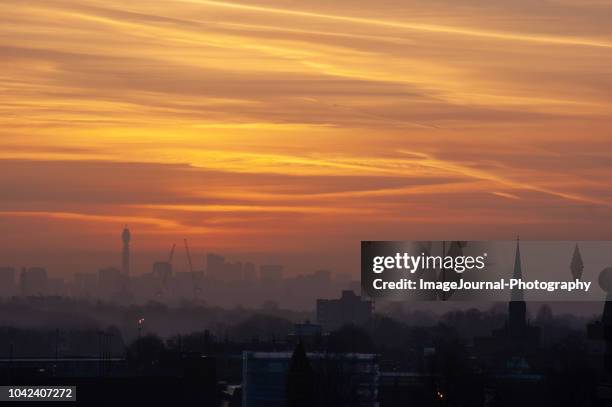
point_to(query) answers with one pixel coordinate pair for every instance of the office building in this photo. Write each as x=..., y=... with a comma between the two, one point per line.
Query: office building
x=348, y=309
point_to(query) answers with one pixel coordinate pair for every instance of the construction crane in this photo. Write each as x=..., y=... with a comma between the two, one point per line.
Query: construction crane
x=171, y=253
x=193, y=276
x=170, y=257
x=188, y=256
x=166, y=273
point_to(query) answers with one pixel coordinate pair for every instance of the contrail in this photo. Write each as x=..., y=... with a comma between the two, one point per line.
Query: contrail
x=433, y=28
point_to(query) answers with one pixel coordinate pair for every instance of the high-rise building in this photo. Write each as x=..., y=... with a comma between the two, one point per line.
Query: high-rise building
x=56, y=286
x=33, y=281
x=249, y=273
x=233, y=271
x=125, y=254
x=349, y=309
x=162, y=270
x=85, y=285
x=110, y=282
x=183, y=284
x=7, y=281
x=215, y=266
x=271, y=273
x=162, y=277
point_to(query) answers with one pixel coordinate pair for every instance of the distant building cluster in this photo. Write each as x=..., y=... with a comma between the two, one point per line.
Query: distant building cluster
x=348, y=309
x=222, y=282
x=345, y=358
x=32, y=281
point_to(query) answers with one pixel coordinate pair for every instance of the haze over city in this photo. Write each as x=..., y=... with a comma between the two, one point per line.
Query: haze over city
x=185, y=187
x=286, y=133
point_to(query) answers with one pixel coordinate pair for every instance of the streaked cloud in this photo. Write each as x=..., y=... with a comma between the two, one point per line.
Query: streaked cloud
x=271, y=126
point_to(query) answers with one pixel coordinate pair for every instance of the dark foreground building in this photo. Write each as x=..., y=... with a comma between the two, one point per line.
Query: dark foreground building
x=173, y=379
x=348, y=309
x=517, y=337
x=351, y=379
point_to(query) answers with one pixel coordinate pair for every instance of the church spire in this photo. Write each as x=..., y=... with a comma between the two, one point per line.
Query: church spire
x=517, y=309
x=517, y=293
x=576, y=266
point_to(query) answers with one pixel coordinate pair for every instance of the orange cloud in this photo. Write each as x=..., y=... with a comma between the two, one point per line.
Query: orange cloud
x=268, y=125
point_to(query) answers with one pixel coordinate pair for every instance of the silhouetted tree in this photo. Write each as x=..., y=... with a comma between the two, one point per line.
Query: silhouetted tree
x=264, y=327
x=350, y=339
x=573, y=382
x=544, y=315
x=300, y=380
x=145, y=352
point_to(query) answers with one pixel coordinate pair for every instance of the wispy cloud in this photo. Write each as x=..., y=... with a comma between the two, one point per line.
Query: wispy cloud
x=432, y=28
x=324, y=120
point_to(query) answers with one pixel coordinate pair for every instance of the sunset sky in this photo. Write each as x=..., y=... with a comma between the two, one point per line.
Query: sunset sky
x=289, y=131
